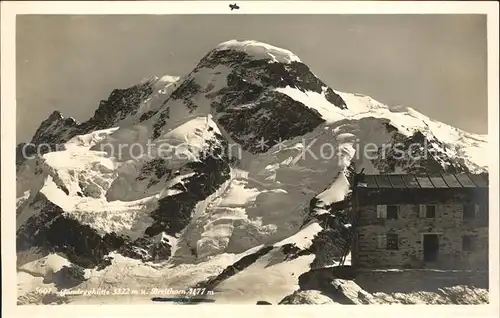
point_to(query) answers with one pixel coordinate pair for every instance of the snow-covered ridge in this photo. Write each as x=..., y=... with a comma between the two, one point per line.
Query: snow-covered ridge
x=472, y=148
x=260, y=50
x=169, y=79
x=456, y=143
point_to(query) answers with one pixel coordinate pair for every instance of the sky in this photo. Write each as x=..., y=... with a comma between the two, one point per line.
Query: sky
x=436, y=64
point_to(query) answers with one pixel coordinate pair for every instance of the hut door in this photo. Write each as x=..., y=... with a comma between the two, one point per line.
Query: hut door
x=431, y=247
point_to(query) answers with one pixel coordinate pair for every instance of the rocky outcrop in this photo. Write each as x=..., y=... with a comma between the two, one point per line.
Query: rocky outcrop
x=120, y=104
x=69, y=277
x=56, y=130
x=211, y=171
x=249, y=107
x=327, y=282
x=37, y=298
x=415, y=154
x=154, y=170
x=53, y=231
x=235, y=268
x=272, y=117
x=263, y=302
x=268, y=74
x=50, y=136
x=307, y=297
x=347, y=285
x=333, y=242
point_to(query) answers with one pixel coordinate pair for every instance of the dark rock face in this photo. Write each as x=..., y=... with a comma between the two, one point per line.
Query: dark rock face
x=50, y=136
x=56, y=130
x=186, y=91
x=80, y=243
x=294, y=74
x=329, y=244
x=415, y=154
x=24, y=151
x=120, y=104
x=291, y=251
x=264, y=120
x=306, y=297
x=54, y=299
x=174, y=212
x=248, y=105
x=51, y=128
x=162, y=120
x=155, y=169
x=263, y=302
x=147, y=115
x=233, y=269
x=69, y=277
x=321, y=279
x=146, y=249
x=333, y=242
x=54, y=232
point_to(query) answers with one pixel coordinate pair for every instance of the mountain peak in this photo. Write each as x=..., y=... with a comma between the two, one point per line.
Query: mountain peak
x=259, y=50
x=55, y=115
x=248, y=85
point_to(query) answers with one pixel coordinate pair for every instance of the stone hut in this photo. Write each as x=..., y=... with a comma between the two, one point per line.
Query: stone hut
x=420, y=221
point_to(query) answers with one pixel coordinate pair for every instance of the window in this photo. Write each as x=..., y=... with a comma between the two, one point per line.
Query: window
x=389, y=241
x=392, y=241
x=467, y=243
x=381, y=211
x=427, y=211
x=387, y=212
x=469, y=211
x=392, y=212
x=430, y=211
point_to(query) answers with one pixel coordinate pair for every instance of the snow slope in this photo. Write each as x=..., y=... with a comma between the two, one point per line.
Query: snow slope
x=214, y=178
x=259, y=50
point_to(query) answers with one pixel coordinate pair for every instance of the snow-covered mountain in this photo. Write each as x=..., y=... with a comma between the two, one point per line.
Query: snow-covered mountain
x=247, y=220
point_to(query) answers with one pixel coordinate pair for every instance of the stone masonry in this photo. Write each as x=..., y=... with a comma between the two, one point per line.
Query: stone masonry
x=410, y=226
